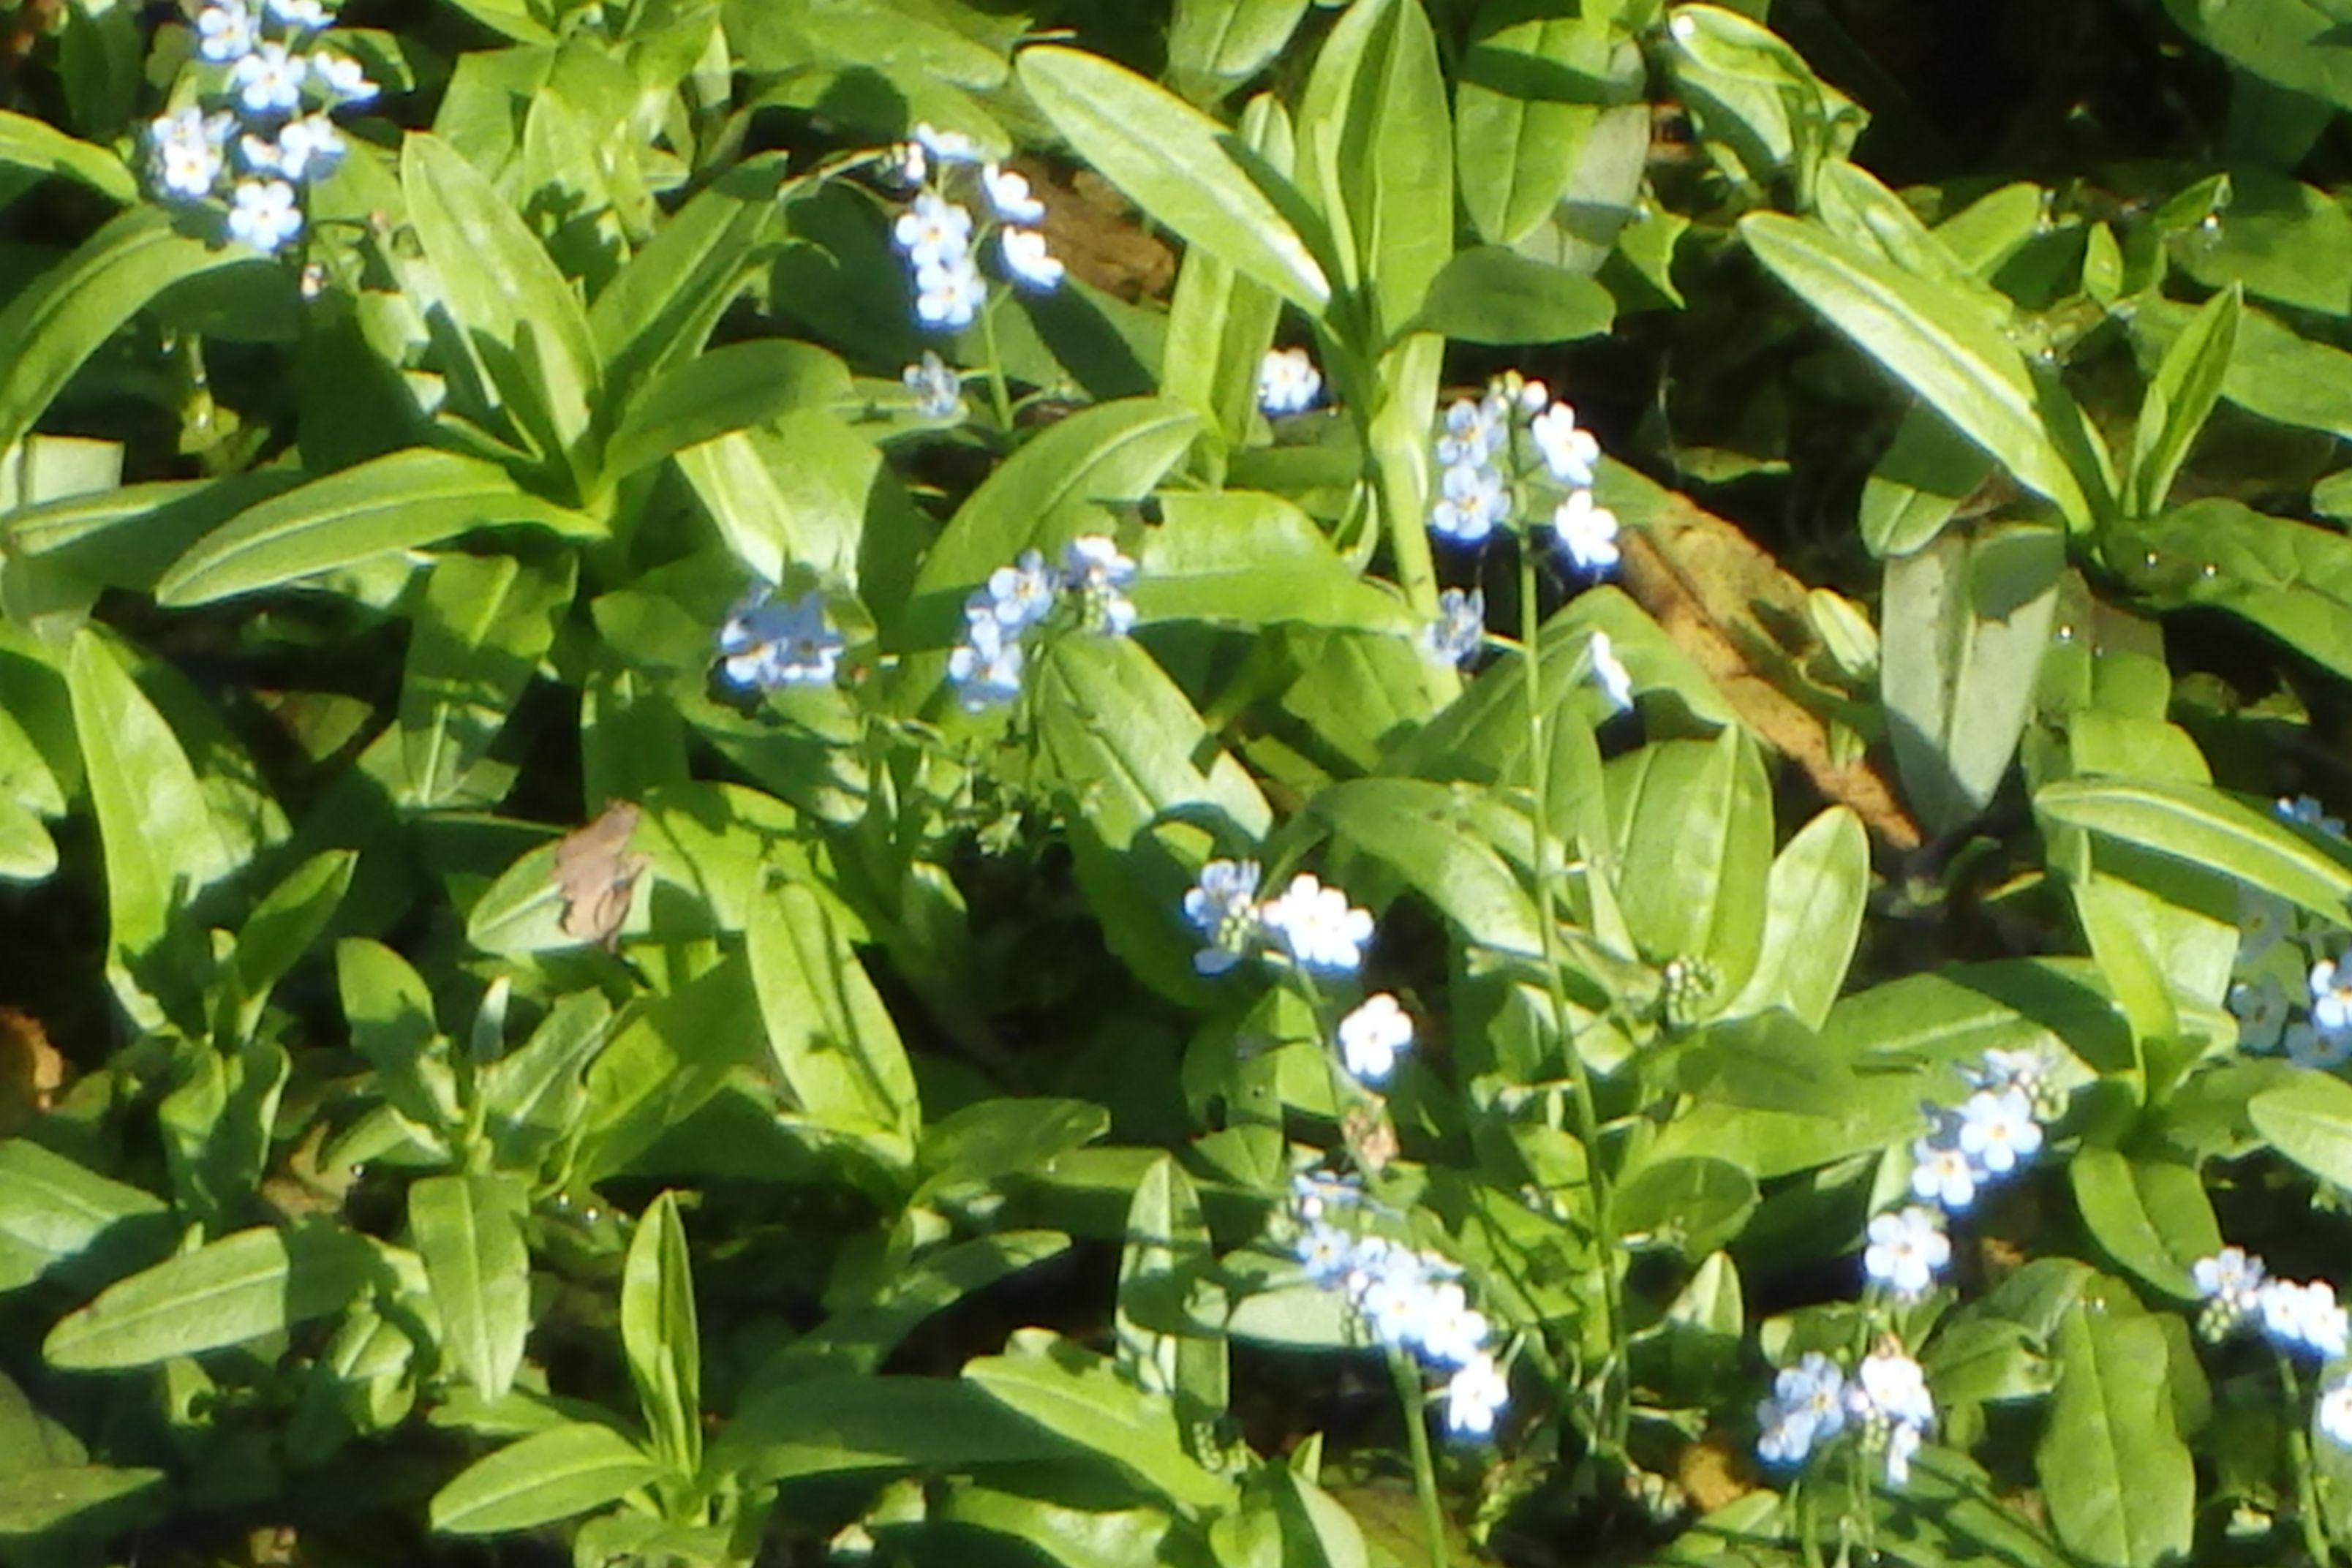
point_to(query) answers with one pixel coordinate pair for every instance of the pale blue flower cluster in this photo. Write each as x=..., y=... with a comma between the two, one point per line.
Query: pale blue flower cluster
x=768, y=643
x=986, y=666
x=2284, y=961
x=1489, y=447
x=1812, y=1402
x=1405, y=1299
x=2240, y=1292
x=262, y=56
x=1312, y=925
x=937, y=233
x=1996, y=1129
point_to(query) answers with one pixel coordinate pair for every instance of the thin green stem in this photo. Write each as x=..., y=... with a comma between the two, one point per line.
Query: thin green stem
x=2308, y=1517
x=1407, y=1373
x=999, y=392
x=1613, y=1416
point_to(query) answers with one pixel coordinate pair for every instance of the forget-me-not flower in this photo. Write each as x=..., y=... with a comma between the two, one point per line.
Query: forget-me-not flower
x=1008, y=193
x=224, y=31
x=938, y=389
x=269, y=80
x=1459, y=632
x=986, y=666
x=262, y=213
x=1288, y=382
x=1569, y=452
x=1474, y=1396
x=948, y=294
x=1807, y=1406
x=1317, y=925
x=1587, y=533
x=1222, y=906
x=1997, y=1129
x=1906, y=1250
x=769, y=643
x=1026, y=260
x=1372, y=1035
x=1093, y=570
x=1609, y=673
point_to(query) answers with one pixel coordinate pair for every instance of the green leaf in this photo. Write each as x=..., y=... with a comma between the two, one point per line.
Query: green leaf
x=36, y=1502
x=2179, y=399
x=726, y=389
x=1966, y=623
x=1075, y=1394
x=289, y=918
x=2293, y=580
x=565, y=1471
x=28, y=143
x=1161, y=1271
x=2202, y=826
x=661, y=1335
x=53, y=1211
x=1220, y=323
x=59, y=319
x=2298, y=44
x=854, y=1423
x=2119, y=1482
x=468, y=1230
x=1422, y=834
x=518, y=312
x=669, y=1055
x=1176, y=163
x=481, y=628
x=857, y=1338
x=658, y=309
x=2308, y=1119
x=1942, y=351
x=162, y=842
x=1249, y=558
x=240, y=1288
x=1692, y=825
x=1214, y=44
x=533, y=1097
x=1376, y=155
x=1491, y=294
x=832, y=1038
x=404, y=501
x=1531, y=86
x=2151, y=1216
x=1054, y=488
x=389, y=1011
x=1927, y=471
x=1813, y=902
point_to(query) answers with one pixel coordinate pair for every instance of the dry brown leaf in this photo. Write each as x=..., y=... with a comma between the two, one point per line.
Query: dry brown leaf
x=1093, y=230
x=1372, y=1137
x=31, y=1070
x=598, y=874
x=1714, y=1473
x=1742, y=619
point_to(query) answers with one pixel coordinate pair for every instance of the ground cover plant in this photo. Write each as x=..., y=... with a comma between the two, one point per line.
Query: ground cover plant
x=1238, y=781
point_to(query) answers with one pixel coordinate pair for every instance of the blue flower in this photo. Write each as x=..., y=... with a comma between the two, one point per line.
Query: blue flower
x=1807, y=1406
x=1472, y=499
x=341, y=79
x=1020, y=595
x=1569, y=452
x=1023, y=253
x=1222, y=906
x=1460, y=630
x=986, y=666
x=1998, y=1129
x=1008, y=193
x=269, y=80
x=1093, y=570
x=1616, y=683
x=1587, y=533
x=768, y=643
x=1288, y=382
x=1317, y=926
x=224, y=32
x=1906, y=1251
x=938, y=389
x=262, y=213
x=1942, y=1171
x=949, y=294
x=1373, y=1035
x=934, y=231
x=186, y=150
x=1474, y=1396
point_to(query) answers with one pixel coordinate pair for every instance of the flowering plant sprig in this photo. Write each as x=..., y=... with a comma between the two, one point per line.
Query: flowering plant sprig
x=2289, y=963
x=260, y=129
x=1092, y=577
x=1501, y=455
x=771, y=644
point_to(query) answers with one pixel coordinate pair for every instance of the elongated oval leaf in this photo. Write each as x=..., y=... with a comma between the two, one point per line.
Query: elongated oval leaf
x=2195, y=823
x=52, y=1210
x=2308, y=1119
x=28, y=143
x=1177, y=164
x=1812, y=918
x=469, y=1230
x=33, y=1501
x=62, y=318
x=1074, y=1394
x=661, y=1335
x=1941, y=351
x=555, y=1474
x=399, y=501
x=2119, y=1481
x=243, y=1286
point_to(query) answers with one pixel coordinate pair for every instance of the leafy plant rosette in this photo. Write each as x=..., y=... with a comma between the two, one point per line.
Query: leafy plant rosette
x=784, y=779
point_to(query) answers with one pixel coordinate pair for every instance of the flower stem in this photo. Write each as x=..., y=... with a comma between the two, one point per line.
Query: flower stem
x=2307, y=1515
x=999, y=392
x=1613, y=1417
x=1407, y=1373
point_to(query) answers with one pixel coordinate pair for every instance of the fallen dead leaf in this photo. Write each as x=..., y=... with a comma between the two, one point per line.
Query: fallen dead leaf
x=1714, y=1473
x=1094, y=232
x=1742, y=619
x=31, y=1070
x=598, y=874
